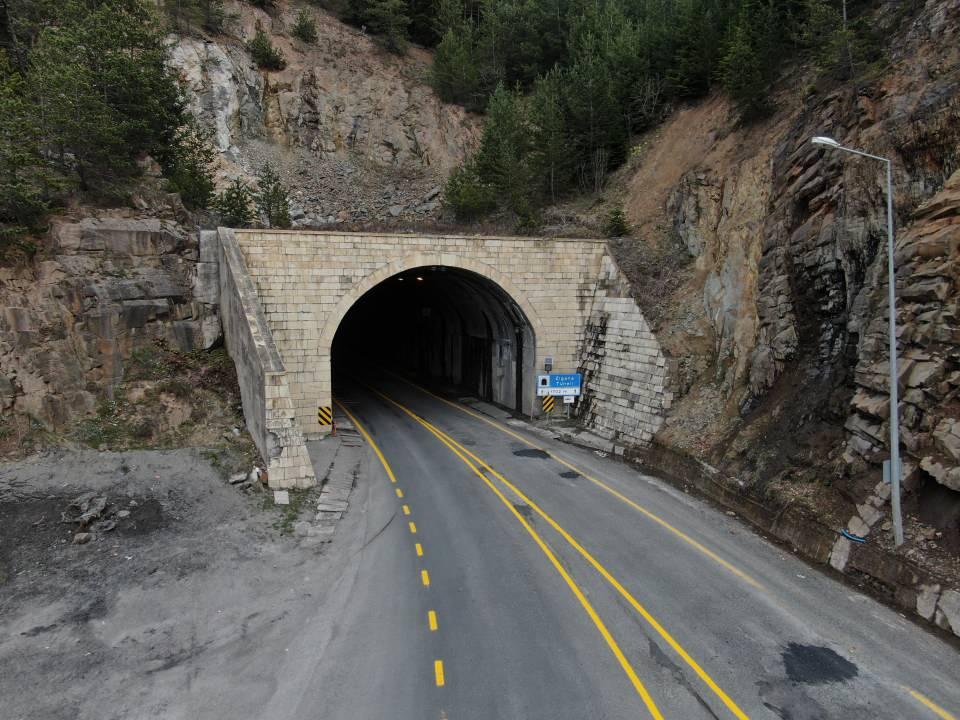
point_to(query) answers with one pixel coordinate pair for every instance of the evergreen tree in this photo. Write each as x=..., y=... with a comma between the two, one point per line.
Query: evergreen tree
x=389, y=20
x=305, y=28
x=505, y=154
x=265, y=55
x=271, y=198
x=25, y=183
x=457, y=74
x=235, y=205
x=103, y=93
x=188, y=167
x=551, y=143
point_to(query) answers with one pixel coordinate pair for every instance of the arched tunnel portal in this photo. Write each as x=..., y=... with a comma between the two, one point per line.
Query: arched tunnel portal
x=445, y=326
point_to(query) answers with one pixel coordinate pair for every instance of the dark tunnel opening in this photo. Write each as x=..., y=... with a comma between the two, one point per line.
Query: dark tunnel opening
x=446, y=327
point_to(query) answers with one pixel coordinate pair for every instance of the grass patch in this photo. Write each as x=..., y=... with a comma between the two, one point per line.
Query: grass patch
x=288, y=515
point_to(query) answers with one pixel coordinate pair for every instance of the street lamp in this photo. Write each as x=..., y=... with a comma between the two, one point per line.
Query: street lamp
x=894, y=389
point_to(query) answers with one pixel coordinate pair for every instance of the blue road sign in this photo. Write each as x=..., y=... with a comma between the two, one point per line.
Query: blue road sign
x=559, y=384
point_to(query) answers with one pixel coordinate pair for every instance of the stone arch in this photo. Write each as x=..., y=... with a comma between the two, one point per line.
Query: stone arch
x=420, y=259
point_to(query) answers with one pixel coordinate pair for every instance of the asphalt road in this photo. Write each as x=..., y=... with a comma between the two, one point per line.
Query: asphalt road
x=504, y=575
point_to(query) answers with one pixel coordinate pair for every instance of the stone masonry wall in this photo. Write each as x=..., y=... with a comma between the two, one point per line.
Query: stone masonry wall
x=267, y=407
x=306, y=283
x=624, y=370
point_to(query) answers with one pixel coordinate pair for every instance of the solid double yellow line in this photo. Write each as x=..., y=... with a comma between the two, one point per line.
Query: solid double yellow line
x=475, y=463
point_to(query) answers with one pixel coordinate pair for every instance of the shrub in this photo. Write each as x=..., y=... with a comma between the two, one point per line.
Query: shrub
x=265, y=55
x=467, y=195
x=235, y=205
x=616, y=224
x=305, y=28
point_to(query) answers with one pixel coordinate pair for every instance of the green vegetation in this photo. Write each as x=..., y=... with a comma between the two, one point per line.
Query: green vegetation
x=235, y=205
x=188, y=15
x=84, y=93
x=566, y=84
x=305, y=28
x=616, y=224
x=272, y=200
x=265, y=55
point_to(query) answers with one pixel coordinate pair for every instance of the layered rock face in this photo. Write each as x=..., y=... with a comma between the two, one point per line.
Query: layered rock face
x=356, y=132
x=70, y=321
x=783, y=311
x=928, y=269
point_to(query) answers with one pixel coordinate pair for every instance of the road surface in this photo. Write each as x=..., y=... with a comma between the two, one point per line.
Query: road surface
x=504, y=575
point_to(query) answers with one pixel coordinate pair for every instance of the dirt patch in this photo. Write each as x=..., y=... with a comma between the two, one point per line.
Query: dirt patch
x=193, y=571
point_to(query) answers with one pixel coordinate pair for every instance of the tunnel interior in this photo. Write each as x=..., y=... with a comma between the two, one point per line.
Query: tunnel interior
x=446, y=327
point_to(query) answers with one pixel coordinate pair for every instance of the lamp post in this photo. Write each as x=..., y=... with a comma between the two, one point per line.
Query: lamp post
x=894, y=389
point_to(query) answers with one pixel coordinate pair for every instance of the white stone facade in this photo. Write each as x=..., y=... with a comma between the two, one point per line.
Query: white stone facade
x=307, y=281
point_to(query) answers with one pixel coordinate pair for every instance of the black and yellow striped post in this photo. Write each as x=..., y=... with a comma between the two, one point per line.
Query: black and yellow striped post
x=325, y=415
x=548, y=403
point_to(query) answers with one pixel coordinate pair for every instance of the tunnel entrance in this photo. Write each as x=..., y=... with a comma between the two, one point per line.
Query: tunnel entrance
x=445, y=326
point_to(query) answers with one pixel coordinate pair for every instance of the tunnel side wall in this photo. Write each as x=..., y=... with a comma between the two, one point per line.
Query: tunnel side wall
x=267, y=406
x=624, y=369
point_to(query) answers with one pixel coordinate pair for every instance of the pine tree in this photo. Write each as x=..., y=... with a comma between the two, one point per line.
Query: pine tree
x=271, y=198
x=188, y=167
x=389, y=20
x=551, y=144
x=265, y=55
x=235, y=205
x=305, y=27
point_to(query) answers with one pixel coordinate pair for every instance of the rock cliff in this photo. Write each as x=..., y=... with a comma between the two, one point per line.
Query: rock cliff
x=775, y=319
x=356, y=132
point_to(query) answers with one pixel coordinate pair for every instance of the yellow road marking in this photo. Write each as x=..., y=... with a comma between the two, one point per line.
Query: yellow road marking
x=602, y=485
x=399, y=492
x=425, y=578
x=438, y=672
x=574, y=588
x=413, y=527
x=460, y=451
x=432, y=620
x=366, y=436
x=930, y=705
x=419, y=548
x=406, y=509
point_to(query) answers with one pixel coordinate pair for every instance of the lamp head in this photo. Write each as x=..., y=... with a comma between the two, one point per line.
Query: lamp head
x=825, y=141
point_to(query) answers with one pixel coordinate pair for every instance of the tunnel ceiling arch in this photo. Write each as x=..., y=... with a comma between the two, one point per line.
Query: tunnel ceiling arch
x=421, y=259
x=444, y=325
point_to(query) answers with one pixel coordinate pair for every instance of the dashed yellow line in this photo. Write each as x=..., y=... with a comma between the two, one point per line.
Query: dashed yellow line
x=930, y=705
x=602, y=485
x=574, y=588
x=424, y=575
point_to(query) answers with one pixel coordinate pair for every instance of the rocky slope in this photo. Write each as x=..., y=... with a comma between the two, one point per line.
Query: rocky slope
x=117, y=305
x=356, y=132
x=773, y=309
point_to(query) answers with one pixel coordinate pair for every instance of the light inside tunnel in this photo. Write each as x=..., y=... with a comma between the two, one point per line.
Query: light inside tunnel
x=447, y=327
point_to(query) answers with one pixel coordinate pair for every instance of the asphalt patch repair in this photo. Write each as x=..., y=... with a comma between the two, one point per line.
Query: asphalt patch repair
x=815, y=665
